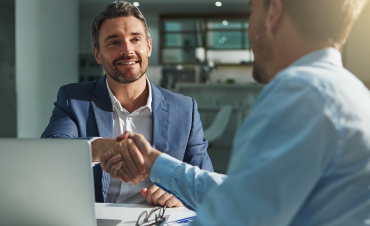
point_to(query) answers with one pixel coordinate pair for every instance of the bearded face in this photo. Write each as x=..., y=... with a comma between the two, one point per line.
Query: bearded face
x=124, y=49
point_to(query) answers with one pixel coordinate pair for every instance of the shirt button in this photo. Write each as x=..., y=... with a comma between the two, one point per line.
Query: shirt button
x=158, y=180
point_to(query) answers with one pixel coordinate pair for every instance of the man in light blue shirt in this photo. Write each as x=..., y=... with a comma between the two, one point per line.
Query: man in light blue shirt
x=302, y=156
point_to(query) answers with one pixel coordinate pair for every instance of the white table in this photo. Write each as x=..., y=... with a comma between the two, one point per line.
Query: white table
x=129, y=213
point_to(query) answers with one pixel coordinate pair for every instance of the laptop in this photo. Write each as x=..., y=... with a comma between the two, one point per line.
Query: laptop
x=47, y=182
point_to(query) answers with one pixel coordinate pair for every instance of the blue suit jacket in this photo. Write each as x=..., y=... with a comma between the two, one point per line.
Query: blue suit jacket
x=84, y=110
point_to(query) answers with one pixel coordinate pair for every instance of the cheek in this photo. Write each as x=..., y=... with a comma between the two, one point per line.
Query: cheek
x=143, y=53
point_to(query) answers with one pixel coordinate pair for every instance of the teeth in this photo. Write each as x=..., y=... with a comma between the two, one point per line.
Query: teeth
x=127, y=63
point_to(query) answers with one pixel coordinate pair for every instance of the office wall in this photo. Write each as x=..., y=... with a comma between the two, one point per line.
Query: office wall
x=8, y=119
x=357, y=50
x=46, y=58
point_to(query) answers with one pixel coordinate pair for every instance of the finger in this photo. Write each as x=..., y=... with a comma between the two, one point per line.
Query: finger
x=173, y=202
x=126, y=158
x=157, y=195
x=114, y=170
x=163, y=198
x=123, y=176
x=124, y=136
x=139, y=140
x=150, y=193
x=138, y=159
x=111, y=162
x=129, y=161
x=104, y=159
x=144, y=192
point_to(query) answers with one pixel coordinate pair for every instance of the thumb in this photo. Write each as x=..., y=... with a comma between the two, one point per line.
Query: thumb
x=124, y=136
x=144, y=192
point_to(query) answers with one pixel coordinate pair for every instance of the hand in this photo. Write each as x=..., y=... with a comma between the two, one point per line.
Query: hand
x=155, y=196
x=122, y=160
x=148, y=153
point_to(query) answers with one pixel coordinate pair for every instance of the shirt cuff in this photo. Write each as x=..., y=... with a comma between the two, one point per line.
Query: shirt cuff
x=162, y=170
x=92, y=140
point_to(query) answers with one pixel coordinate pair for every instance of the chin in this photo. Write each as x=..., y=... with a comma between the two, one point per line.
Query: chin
x=129, y=79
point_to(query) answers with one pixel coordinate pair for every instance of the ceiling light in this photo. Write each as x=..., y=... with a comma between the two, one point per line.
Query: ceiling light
x=225, y=22
x=218, y=3
x=136, y=4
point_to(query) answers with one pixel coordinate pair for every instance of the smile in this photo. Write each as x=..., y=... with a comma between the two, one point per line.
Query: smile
x=128, y=63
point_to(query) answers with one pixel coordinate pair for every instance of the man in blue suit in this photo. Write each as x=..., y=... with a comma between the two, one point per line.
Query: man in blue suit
x=125, y=99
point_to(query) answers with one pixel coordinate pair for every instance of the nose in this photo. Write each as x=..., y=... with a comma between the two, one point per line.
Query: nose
x=126, y=49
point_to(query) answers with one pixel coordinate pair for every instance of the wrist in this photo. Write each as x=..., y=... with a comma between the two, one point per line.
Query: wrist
x=151, y=157
x=101, y=146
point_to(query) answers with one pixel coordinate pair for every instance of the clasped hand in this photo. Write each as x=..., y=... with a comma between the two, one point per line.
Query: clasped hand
x=125, y=161
x=130, y=159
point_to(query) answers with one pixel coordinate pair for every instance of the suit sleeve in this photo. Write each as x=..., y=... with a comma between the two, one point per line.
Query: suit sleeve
x=196, y=150
x=62, y=123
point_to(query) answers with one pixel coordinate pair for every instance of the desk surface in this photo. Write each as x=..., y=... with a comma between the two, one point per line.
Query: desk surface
x=129, y=213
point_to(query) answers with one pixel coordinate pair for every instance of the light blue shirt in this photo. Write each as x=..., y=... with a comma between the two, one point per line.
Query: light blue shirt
x=301, y=157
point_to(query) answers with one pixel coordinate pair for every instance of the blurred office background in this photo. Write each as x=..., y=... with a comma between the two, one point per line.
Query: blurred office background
x=200, y=49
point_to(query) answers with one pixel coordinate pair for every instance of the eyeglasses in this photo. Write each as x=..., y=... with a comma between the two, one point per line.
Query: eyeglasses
x=155, y=217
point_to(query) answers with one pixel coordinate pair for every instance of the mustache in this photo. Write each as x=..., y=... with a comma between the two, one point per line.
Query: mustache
x=125, y=58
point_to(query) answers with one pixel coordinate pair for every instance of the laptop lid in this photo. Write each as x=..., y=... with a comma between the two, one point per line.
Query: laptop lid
x=46, y=182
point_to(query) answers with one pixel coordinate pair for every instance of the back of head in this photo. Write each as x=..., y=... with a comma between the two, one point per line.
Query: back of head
x=324, y=20
x=114, y=10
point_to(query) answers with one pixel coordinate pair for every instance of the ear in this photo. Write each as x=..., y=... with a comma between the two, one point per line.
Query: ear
x=275, y=14
x=149, y=47
x=97, y=56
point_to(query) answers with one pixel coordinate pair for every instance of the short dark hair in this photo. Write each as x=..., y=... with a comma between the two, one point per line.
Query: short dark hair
x=114, y=10
x=324, y=20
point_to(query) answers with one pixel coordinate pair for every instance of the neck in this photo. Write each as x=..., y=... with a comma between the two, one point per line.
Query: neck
x=130, y=95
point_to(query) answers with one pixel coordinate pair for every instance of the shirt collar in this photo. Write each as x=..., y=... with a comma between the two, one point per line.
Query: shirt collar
x=114, y=100
x=330, y=55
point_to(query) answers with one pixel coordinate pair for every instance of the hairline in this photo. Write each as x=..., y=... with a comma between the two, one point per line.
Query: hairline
x=146, y=30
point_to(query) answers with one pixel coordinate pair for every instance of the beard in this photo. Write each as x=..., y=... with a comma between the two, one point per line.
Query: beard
x=263, y=53
x=260, y=73
x=121, y=77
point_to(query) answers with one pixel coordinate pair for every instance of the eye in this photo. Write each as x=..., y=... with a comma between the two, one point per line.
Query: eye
x=136, y=39
x=113, y=43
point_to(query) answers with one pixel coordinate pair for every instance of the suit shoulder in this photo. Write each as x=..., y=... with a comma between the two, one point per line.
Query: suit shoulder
x=81, y=88
x=175, y=97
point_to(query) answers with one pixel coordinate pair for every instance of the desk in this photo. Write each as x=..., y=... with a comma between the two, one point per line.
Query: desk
x=129, y=213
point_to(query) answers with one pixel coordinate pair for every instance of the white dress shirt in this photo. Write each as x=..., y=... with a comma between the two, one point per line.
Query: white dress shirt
x=139, y=121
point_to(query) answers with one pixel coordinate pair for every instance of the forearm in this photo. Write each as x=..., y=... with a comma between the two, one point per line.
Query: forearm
x=188, y=183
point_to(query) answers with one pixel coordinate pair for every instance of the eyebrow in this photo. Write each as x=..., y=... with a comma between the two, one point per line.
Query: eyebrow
x=116, y=36
x=136, y=33
x=110, y=37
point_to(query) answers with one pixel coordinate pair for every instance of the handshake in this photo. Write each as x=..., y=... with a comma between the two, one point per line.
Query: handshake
x=130, y=158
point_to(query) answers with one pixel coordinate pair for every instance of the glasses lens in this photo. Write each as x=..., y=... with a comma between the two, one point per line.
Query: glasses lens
x=155, y=212
x=141, y=220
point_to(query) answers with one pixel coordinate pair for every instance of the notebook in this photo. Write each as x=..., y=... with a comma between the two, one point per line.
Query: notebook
x=46, y=182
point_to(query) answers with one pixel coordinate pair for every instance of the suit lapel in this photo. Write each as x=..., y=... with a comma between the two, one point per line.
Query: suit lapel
x=103, y=109
x=161, y=119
